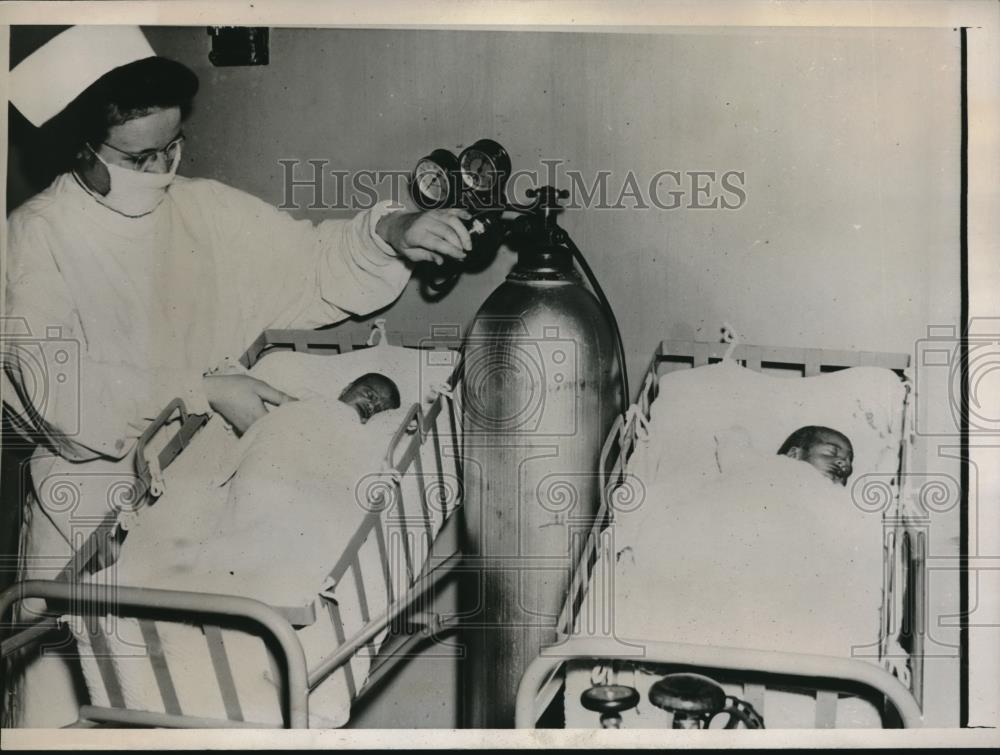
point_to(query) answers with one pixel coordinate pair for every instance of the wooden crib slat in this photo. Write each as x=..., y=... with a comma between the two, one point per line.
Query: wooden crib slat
x=581, y=575
x=813, y=360
x=383, y=555
x=276, y=671
x=102, y=655
x=344, y=343
x=839, y=358
x=608, y=561
x=251, y=355
x=444, y=502
x=783, y=356
x=754, y=694
x=400, y=519
x=701, y=353
x=95, y=545
x=359, y=586
x=223, y=672
x=158, y=660
x=826, y=709
x=408, y=550
x=338, y=629
x=422, y=482
x=358, y=539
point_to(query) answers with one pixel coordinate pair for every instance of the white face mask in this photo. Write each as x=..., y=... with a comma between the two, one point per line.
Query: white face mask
x=134, y=193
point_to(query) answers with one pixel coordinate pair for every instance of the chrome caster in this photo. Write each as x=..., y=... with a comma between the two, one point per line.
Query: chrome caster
x=694, y=700
x=610, y=700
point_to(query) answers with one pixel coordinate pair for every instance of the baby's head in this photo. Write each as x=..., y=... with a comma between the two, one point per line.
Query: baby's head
x=370, y=394
x=826, y=449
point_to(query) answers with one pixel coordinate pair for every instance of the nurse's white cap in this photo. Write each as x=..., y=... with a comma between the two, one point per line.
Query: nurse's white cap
x=55, y=74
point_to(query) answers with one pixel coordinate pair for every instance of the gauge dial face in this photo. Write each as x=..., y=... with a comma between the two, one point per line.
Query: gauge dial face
x=431, y=181
x=479, y=173
x=485, y=168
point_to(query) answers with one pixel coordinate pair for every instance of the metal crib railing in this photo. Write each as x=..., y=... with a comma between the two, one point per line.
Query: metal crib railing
x=402, y=459
x=97, y=599
x=824, y=674
x=389, y=511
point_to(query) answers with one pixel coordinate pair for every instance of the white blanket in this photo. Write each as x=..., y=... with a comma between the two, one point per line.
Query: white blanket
x=768, y=555
x=295, y=488
x=771, y=555
x=695, y=406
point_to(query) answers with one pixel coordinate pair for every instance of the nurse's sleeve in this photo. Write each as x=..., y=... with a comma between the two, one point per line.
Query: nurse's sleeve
x=58, y=392
x=296, y=274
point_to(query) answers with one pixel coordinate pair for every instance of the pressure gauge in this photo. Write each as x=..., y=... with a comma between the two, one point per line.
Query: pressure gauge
x=485, y=167
x=434, y=183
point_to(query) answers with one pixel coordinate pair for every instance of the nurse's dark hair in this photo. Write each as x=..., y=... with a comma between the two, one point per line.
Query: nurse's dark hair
x=127, y=92
x=808, y=436
x=134, y=90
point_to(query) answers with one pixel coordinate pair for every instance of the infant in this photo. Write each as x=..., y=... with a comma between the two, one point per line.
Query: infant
x=370, y=394
x=826, y=449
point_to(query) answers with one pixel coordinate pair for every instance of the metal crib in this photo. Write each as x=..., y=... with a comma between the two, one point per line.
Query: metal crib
x=822, y=676
x=409, y=615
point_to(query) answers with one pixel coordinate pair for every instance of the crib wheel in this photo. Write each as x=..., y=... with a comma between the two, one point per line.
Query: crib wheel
x=693, y=699
x=741, y=712
x=610, y=700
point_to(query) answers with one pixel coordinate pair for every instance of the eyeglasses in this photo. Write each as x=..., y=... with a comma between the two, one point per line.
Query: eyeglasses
x=140, y=161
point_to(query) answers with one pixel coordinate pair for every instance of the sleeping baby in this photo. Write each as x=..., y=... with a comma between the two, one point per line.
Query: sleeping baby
x=297, y=428
x=826, y=449
x=295, y=485
x=370, y=394
x=830, y=451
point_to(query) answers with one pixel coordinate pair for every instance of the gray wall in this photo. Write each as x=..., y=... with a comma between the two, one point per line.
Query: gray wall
x=848, y=141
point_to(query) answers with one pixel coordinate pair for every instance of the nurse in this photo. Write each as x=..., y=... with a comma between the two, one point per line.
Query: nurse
x=128, y=285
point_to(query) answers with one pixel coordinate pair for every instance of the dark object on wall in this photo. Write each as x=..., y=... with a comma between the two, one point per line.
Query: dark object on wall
x=239, y=45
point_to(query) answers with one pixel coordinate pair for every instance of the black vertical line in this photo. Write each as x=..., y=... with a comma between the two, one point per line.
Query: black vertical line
x=963, y=347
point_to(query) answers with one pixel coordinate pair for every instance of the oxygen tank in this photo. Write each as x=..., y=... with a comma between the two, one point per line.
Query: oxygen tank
x=541, y=387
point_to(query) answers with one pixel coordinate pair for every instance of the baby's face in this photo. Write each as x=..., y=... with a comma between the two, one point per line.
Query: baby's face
x=368, y=398
x=832, y=456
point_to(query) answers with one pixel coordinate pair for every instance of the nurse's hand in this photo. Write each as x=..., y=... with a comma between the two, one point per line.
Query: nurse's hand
x=427, y=236
x=241, y=399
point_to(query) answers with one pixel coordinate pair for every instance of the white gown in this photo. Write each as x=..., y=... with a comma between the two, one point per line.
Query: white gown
x=108, y=318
